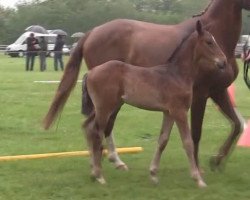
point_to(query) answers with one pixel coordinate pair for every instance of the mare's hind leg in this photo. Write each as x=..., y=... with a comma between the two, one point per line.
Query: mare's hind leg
x=197, y=115
x=112, y=153
x=182, y=124
x=222, y=100
x=167, y=125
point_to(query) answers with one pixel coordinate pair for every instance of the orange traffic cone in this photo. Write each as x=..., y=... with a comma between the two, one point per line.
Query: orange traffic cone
x=231, y=93
x=244, y=140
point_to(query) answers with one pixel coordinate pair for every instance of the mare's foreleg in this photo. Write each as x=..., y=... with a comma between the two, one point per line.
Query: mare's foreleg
x=182, y=124
x=112, y=153
x=221, y=98
x=167, y=125
x=197, y=115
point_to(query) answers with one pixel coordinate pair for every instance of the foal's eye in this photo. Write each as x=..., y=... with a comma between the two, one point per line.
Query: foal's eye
x=209, y=43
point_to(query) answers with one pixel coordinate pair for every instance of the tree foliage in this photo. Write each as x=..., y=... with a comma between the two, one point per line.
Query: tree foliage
x=82, y=15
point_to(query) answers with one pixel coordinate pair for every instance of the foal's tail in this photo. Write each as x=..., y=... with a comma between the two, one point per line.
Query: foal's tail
x=68, y=82
x=87, y=104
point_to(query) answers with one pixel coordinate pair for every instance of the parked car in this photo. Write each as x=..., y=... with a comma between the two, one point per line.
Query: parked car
x=19, y=47
x=244, y=40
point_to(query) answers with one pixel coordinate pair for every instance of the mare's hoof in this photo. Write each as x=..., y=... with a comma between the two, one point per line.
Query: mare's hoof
x=216, y=164
x=122, y=167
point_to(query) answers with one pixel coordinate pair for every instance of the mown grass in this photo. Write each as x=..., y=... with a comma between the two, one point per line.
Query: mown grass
x=23, y=104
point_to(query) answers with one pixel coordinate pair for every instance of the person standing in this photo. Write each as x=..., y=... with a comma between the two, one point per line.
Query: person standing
x=43, y=52
x=58, y=52
x=31, y=52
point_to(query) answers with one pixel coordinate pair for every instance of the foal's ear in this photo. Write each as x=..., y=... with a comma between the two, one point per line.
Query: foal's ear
x=199, y=28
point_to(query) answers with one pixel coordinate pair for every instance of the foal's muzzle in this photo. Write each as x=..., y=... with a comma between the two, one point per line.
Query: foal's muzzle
x=221, y=64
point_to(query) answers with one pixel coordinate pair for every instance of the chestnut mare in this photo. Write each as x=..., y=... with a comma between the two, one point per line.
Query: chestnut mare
x=147, y=44
x=167, y=88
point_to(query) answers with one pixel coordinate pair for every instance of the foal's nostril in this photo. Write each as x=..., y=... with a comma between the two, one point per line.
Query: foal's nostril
x=221, y=64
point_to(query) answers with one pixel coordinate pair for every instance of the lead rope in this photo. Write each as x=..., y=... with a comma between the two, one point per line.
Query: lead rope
x=246, y=64
x=246, y=77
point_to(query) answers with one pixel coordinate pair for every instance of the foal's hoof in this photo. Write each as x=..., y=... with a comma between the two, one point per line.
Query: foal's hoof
x=101, y=180
x=216, y=164
x=154, y=179
x=201, y=184
x=122, y=167
x=119, y=164
x=201, y=170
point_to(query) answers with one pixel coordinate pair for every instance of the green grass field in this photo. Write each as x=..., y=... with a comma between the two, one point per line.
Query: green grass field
x=24, y=103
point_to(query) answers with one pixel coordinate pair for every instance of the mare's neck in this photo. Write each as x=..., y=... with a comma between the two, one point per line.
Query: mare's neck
x=222, y=8
x=223, y=19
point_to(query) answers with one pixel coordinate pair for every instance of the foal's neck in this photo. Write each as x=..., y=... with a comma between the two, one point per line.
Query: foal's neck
x=183, y=61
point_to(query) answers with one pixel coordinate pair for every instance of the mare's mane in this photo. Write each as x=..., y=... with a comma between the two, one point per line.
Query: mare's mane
x=205, y=10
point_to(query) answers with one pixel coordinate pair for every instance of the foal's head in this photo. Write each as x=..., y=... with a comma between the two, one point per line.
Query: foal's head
x=208, y=54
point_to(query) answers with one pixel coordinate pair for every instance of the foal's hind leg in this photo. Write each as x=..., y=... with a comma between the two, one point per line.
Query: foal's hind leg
x=112, y=153
x=167, y=125
x=222, y=100
x=94, y=137
x=182, y=124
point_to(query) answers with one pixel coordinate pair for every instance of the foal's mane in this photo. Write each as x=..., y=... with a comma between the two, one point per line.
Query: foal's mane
x=176, y=51
x=205, y=10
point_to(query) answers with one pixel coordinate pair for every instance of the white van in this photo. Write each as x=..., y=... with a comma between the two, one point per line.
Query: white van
x=19, y=47
x=244, y=40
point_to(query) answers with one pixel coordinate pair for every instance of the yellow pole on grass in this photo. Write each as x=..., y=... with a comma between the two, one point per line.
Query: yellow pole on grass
x=68, y=154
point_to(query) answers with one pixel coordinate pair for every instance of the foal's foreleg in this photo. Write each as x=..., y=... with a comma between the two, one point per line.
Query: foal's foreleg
x=182, y=124
x=113, y=155
x=167, y=125
x=222, y=100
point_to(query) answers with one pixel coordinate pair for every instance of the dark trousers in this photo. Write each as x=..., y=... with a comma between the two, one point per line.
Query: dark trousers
x=58, y=59
x=42, y=56
x=30, y=59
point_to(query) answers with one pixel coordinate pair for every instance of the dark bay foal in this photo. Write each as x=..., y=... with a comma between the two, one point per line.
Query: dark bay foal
x=167, y=88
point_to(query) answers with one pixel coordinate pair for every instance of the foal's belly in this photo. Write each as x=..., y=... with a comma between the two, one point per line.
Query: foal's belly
x=144, y=102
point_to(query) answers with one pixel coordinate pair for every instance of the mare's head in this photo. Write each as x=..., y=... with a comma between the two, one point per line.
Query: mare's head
x=244, y=4
x=207, y=53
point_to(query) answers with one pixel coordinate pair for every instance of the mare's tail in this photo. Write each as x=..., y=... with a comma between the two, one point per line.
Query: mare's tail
x=68, y=82
x=87, y=104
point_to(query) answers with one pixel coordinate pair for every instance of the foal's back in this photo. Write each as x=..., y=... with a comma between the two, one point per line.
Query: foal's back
x=146, y=88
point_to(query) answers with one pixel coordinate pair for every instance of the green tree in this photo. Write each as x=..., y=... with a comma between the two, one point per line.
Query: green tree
x=5, y=15
x=82, y=15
